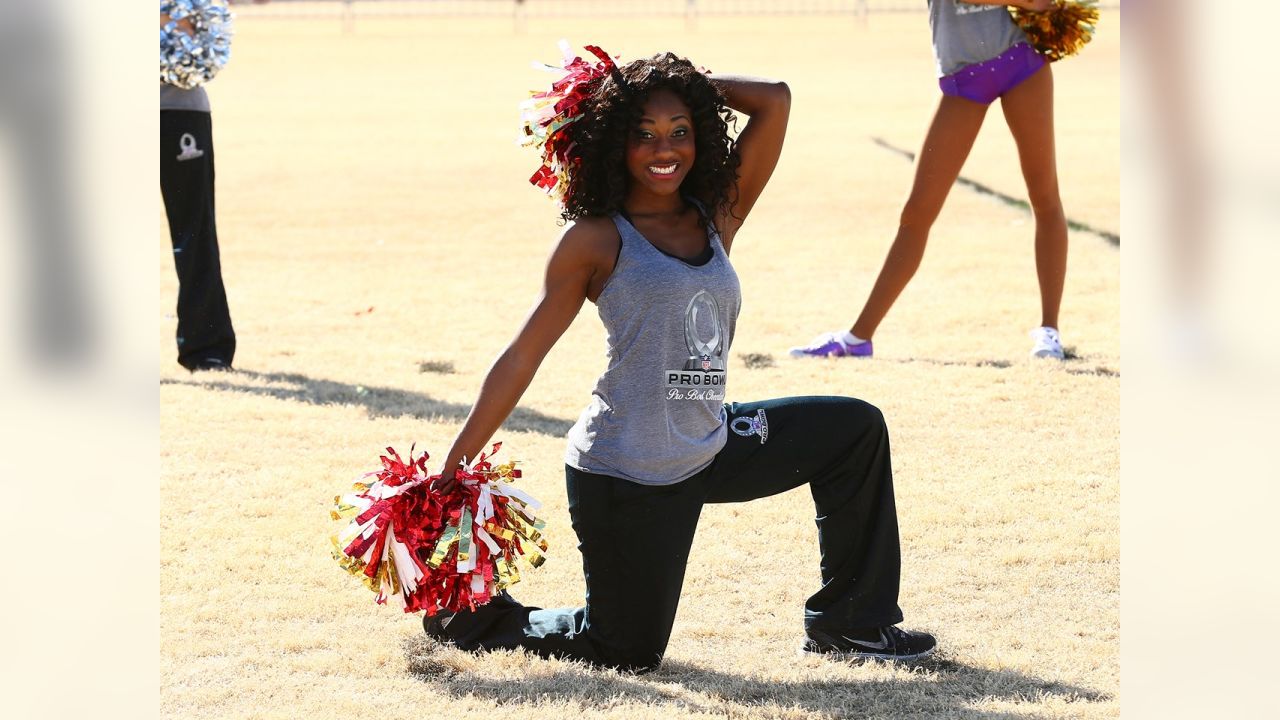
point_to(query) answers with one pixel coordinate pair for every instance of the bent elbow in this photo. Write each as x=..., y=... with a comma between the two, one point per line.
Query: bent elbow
x=782, y=94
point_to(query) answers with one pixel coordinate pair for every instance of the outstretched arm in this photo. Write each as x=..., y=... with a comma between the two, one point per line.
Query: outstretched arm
x=569, y=273
x=768, y=104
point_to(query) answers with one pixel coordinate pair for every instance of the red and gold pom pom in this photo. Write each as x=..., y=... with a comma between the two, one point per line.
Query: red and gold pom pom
x=545, y=115
x=422, y=550
x=1060, y=31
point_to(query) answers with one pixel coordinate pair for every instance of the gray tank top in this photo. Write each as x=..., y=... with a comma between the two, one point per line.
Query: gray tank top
x=967, y=34
x=657, y=414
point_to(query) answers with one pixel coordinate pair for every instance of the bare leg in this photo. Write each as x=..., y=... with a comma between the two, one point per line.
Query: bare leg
x=946, y=146
x=1028, y=109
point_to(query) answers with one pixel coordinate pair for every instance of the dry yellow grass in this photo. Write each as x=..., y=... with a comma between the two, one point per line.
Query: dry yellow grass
x=378, y=170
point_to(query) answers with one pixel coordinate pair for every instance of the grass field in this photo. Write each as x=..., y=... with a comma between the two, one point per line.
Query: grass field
x=380, y=244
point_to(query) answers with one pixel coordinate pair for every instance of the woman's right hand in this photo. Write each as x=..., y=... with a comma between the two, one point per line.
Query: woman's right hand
x=1036, y=5
x=447, y=480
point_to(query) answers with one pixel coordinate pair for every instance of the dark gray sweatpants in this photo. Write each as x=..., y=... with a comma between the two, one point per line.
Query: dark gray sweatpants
x=635, y=539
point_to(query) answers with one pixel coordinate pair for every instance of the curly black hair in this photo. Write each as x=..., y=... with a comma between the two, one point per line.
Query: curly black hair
x=598, y=177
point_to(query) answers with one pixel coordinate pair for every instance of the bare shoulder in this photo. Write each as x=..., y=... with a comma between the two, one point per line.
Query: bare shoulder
x=591, y=236
x=589, y=241
x=590, y=245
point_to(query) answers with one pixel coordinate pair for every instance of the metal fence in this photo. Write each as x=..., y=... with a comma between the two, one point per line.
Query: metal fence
x=569, y=8
x=520, y=11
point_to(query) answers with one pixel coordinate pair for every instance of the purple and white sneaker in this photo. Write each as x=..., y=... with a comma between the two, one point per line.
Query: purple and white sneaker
x=1048, y=344
x=832, y=344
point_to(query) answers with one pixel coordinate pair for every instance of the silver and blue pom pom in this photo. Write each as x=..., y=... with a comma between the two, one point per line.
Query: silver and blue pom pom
x=190, y=60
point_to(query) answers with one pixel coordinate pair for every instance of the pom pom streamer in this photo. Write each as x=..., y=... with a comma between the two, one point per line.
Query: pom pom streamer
x=1062, y=30
x=421, y=550
x=545, y=115
x=188, y=60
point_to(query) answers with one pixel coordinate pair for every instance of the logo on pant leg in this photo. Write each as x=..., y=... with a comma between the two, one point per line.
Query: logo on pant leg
x=189, y=149
x=748, y=425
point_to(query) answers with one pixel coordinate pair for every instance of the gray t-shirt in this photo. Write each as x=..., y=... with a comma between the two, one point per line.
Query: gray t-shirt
x=657, y=413
x=966, y=33
x=175, y=98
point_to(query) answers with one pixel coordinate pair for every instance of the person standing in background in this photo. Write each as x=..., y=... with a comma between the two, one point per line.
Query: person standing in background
x=206, y=338
x=981, y=56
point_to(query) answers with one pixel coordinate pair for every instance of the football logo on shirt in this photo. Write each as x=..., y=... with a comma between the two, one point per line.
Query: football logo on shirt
x=702, y=320
x=703, y=376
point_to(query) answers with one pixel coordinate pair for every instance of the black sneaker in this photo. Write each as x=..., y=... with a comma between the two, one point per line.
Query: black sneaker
x=433, y=625
x=886, y=643
x=211, y=365
x=466, y=622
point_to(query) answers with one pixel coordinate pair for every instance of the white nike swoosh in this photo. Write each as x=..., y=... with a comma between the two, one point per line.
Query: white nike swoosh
x=883, y=644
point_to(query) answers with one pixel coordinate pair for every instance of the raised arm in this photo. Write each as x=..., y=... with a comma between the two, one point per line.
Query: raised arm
x=768, y=104
x=573, y=263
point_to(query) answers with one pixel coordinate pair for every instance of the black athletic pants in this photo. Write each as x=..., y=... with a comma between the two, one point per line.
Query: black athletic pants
x=205, y=335
x=635, y=539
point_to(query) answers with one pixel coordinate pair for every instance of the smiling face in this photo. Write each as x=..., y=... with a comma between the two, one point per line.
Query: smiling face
x=660, y=149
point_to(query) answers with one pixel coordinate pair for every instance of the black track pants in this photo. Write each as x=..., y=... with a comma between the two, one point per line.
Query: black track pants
x=186, y=182
x=635, y=539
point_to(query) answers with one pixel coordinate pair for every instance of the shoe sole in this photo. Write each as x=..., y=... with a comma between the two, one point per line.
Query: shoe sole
x=829, y=355
x=846, y=656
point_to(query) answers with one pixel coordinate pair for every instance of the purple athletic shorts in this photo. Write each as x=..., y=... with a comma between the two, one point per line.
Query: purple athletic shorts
x=985, y=81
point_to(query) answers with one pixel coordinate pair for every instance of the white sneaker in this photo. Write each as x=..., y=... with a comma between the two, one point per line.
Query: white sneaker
x=1047, y=343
